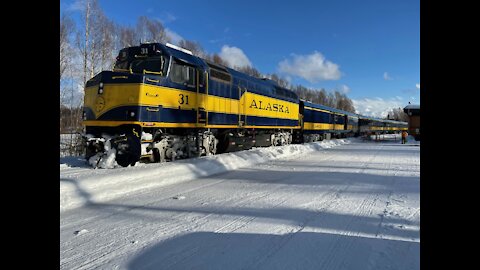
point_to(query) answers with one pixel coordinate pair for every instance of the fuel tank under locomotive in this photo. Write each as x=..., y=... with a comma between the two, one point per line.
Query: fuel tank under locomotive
x=233, y=141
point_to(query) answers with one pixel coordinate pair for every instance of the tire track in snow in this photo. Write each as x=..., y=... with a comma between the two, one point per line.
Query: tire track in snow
x=338, y=252
x=241, y=222
x=332, y=199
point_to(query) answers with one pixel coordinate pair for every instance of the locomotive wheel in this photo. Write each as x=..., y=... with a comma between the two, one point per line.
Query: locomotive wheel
x=128, y=151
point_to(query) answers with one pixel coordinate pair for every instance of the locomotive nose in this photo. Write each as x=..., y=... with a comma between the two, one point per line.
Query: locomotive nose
x=109, y=96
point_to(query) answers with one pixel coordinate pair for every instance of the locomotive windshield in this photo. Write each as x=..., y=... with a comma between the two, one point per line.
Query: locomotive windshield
x=121, y=65
x=142, y=60
x=153, y=65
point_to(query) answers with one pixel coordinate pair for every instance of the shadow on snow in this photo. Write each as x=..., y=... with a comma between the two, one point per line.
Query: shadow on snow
x=302, y=250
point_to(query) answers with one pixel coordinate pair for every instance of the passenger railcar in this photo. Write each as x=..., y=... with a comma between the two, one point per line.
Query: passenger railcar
x=392, y=126
x=321, y=122
x=376, y=126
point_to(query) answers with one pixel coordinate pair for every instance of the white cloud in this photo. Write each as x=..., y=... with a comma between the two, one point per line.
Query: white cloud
x=166, y=18
x=313, y=67
x=173, y=36
x=376, y=107
x=169, y=17
x=234, y=56
x=417, y=86
x=386, y=77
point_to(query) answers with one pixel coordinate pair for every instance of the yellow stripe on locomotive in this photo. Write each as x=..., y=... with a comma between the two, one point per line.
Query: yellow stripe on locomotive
x=152, y=97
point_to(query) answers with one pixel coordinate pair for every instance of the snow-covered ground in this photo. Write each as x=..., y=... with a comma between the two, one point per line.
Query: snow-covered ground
x=339, y=204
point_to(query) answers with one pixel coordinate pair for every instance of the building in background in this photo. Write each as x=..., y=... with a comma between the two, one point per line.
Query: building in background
x=413, y=112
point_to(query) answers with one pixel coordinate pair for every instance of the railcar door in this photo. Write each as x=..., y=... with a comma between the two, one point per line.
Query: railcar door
x=334, y=121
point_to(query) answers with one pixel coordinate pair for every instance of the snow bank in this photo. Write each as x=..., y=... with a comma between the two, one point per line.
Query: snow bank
x=93, y=186
x=411, y=140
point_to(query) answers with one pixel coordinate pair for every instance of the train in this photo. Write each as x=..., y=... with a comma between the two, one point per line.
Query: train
x=161, y=103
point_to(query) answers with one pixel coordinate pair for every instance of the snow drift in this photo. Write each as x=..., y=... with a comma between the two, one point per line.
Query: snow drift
x=82, y=186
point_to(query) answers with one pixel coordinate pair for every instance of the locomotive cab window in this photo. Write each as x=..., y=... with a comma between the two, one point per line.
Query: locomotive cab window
x=121, y=63
x=182, y=74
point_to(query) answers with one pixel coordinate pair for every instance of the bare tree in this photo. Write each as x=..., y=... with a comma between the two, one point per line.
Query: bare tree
x=148, y=30
x=87, y=33
x=302, y=92
x=397, y=114
x=67, y=27
x=348, y=106
x=101, y=40
x=330, y=102
x=126, y=36
x=218, y=60
x=107, y=44
x=250, y=71
x=343, y=102
x=322, y=97
x=96, y=41
x=281, y=82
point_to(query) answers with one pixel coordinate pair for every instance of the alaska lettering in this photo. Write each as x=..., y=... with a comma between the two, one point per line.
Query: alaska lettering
x=269, y=107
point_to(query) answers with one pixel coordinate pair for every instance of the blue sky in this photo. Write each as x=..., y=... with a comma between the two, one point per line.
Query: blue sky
x=369, y=49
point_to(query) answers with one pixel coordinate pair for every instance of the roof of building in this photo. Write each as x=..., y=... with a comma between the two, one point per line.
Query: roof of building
x=413, y=107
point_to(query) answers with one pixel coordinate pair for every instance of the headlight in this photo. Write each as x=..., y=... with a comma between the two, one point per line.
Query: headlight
x=132, y=114
x=100, y=88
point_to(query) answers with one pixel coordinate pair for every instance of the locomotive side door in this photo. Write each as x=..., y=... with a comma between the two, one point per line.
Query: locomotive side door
x=202, y=97
x=242, y=103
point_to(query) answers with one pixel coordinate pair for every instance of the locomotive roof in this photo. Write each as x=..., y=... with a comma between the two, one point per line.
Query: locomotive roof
x=185, y=57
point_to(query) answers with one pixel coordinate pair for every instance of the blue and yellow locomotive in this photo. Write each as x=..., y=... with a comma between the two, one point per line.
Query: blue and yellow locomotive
x=161, y=102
